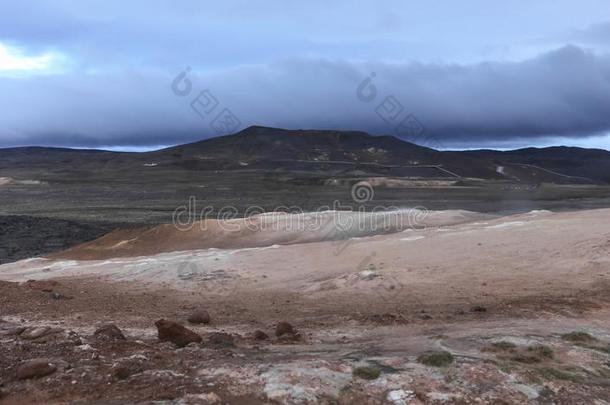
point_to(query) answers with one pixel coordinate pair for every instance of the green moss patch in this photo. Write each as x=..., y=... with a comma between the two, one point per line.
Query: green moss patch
x=578, y=337
x=367, y=373
x=436, y=358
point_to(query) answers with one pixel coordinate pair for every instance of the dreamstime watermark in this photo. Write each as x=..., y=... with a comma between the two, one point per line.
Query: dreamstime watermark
x=362, y=192
x=204, y=104
x=336, y=218
x=405, y=125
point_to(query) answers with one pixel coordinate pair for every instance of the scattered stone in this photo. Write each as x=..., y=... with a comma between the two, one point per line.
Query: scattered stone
x=400, y=397
x=210, y=398
x=75, y=338
x=425, y=317
x=436, y=358
x=289, y=338
x=368, y=275
x=546, y=394
x=388, y=318
x=35, y=332
x=171, y=331
x=42, y=285
x=120, y=371
x=367, y=373
x=109, y=331
x=199, y=316
x=260, y=335
x=35, y=368
x=57, y=296
x=284, y=328
x=220, y=339
x=12, y=331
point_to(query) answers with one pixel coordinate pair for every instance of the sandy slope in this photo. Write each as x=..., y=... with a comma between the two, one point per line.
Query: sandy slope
x=538, y=254
x=262, y=230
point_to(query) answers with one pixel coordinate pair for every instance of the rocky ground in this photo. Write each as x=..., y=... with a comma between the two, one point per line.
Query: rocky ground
x=58, y=346
x=23, y=236
x=498, y=310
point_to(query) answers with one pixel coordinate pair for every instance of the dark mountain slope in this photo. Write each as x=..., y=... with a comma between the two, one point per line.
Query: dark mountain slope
x=593, y=164
x=328, y=152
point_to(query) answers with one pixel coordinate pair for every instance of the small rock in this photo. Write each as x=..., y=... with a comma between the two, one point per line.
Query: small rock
x=35, y=332
x=368, y=275
x=120, y=371
x=35, y=368
x=75, y=338
x=284, y=328
x=171, y=331
x=109, y=331
x=478, y=308
x=57, y=296
x=199, y=316
x=400, y=397
x=260, y=335
x=221, y=339
x=290, y=337
x=42, y=285
x=210, y=398
x=12, y=331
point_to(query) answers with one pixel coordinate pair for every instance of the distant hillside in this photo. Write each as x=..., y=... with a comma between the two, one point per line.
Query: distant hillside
x=593, y=164
x=330, y=152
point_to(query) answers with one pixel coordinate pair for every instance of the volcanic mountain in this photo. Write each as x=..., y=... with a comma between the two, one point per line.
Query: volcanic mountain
x=331, y=152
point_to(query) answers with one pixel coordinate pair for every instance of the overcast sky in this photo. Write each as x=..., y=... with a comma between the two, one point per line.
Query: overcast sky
x=473, y=73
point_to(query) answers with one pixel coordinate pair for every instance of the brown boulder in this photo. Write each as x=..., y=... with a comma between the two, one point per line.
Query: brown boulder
x=199, y=316
x=42, y=285
x=121, y=371
x=171, y=331
x=35, y=368
x=284, y=328
x=109, y=331
x=260, y=335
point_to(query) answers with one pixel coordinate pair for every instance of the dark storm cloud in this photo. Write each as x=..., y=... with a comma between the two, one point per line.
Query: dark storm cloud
x=298, y=65
x=565, y=92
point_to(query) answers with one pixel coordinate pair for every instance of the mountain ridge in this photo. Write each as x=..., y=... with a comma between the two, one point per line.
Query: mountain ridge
x=265, y=148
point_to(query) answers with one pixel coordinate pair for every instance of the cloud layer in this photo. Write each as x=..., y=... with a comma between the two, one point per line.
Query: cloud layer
x=562, y=93
x=468, y=81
